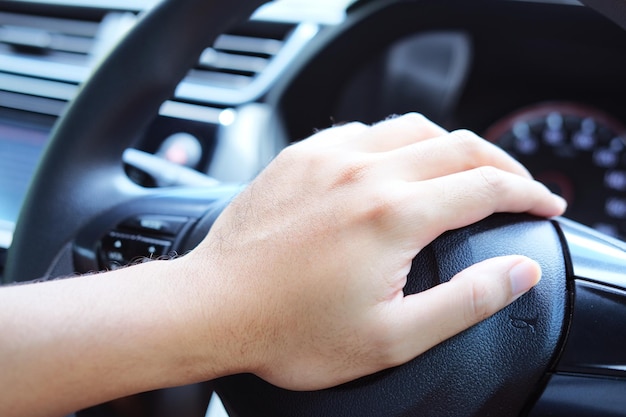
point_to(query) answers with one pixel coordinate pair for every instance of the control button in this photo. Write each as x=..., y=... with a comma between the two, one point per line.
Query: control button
x=118, y=249
x=167, y=225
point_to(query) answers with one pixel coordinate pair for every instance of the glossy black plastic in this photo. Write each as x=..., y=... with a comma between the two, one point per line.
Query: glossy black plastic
x=582, y=396
x=590, y=376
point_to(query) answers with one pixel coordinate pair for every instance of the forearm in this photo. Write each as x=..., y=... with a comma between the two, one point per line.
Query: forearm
x=71, y=343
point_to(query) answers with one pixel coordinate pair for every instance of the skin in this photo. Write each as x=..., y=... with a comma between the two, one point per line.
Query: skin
x=300, y=280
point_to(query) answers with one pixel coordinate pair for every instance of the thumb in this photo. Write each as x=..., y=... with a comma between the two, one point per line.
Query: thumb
x=469, y=297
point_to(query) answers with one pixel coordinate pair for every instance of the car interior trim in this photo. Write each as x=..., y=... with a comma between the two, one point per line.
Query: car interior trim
x=302, y=34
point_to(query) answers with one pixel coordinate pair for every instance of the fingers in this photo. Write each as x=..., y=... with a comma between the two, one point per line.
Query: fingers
x=393, y=133
x=460, y=199
x=457, y=151
x=472, y=295
x=398, y=132
x=416, y=149
x=335, y=136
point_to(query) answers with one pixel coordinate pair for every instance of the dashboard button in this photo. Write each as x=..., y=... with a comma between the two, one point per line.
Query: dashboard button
x=118, y=249
x=167, y=225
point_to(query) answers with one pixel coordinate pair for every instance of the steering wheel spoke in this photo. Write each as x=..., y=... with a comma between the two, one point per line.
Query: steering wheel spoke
x=166, y=223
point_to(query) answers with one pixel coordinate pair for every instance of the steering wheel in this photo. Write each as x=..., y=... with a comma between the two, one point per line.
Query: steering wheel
x=547, y=344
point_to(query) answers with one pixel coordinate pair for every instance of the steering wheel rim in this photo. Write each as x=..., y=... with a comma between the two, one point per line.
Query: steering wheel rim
x=73, y=193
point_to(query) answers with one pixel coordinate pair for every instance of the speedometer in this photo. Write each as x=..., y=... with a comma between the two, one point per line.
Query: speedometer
x=578, y=152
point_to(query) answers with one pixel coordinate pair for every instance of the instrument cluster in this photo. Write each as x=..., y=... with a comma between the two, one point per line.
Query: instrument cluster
x=577, y=151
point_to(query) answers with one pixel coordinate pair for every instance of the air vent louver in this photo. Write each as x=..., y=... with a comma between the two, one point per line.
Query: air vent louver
x=59, y=40
x=238, y=68
x=43, y=59
x=238, y=56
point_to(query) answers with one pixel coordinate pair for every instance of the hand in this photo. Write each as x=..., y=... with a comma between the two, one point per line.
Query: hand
x=314, y=254
x=299, y=280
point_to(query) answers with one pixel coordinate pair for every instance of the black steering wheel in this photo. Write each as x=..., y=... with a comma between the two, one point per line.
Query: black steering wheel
x=552, y=342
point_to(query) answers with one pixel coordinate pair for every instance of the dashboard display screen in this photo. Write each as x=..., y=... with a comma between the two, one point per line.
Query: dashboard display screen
x=21, y=146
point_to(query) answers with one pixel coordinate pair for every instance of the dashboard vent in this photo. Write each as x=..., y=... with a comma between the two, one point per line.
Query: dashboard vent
x=59, y=40
x=44, y=59
x=237, y=57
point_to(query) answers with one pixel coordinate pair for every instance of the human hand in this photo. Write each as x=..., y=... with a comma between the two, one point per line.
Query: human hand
x=314, y=254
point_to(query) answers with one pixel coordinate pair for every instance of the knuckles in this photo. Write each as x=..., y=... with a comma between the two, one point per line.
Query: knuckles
x=415, y=118
x=381, y=204
x=335, y=168
x=491, y=180
x=470, y=145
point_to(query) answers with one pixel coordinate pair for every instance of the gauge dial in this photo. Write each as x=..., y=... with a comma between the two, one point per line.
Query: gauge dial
x=578, y=152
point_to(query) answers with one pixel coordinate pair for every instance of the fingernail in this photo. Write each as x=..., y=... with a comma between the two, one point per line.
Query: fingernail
x=524, y=275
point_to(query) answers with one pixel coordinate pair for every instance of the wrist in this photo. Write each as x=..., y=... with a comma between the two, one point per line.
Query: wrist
x=204, y=319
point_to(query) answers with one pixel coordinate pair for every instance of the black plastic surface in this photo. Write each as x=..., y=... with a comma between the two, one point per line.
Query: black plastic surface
x=591, y=371
x=579, y=396
x=594, y=256
x=492, y=369
x=613, y=9
x=597, y=336
x=596, y=342
x=156, y=223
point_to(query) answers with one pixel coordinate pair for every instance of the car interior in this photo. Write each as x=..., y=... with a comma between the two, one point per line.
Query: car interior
x=126, y=126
